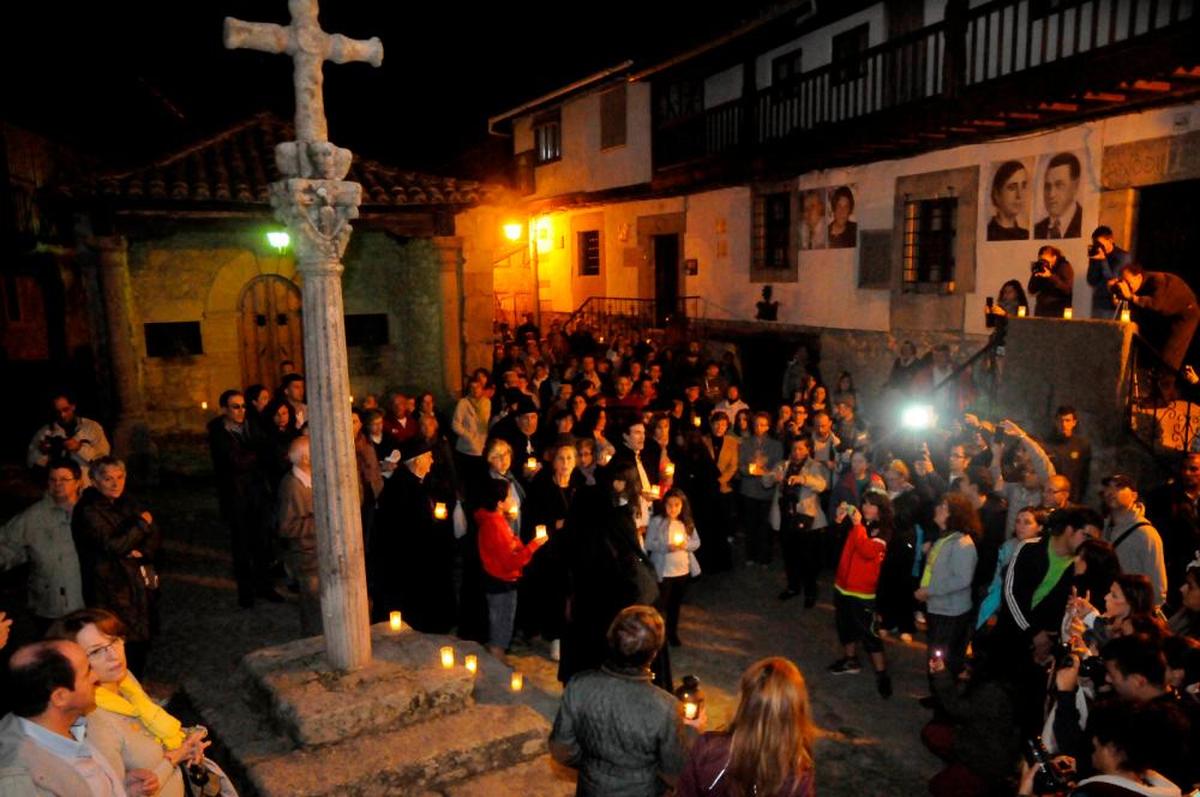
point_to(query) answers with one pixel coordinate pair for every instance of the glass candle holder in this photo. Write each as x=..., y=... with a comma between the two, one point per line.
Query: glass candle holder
x=1021, y=311
x=669, y=469
x=678, y=539
x=439, y=511
x=1068, y=312
x=539, y=531
x=395, y=622
x=471, y=662
x=517, y=683
x=655, y=490
x=447, y=654
x=696, y=421
x=1125, y=316
x=690, y=710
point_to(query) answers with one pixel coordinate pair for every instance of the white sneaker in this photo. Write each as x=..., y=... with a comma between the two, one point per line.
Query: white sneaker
x=554, y=649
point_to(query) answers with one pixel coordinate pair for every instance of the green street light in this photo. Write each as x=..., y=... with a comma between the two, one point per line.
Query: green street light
x=278, y=239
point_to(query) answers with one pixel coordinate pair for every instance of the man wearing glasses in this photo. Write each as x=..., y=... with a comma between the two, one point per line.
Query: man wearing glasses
x=243, y=495
x=41, y=536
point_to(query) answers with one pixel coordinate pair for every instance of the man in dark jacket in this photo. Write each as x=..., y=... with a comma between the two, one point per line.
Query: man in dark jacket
x=242, y=493
x=1174, y=511
x=519, y=430
x=1070, y=452
x=1105, y=261
x=1166, y=298
x=1037, y=586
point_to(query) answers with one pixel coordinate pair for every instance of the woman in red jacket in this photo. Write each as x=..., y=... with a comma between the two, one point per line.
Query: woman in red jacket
x=855, y=582
x=504, y=556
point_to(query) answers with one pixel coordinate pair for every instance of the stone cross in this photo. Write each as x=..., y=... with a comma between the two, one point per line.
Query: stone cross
x=317, y=203
x=309, y=47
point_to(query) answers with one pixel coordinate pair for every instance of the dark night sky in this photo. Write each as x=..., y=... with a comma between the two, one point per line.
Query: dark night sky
x=129, y=80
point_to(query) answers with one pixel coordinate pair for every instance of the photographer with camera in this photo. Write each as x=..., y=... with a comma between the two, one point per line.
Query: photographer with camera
x=1162, y=299
x=1105, y=261
x=1051, y=280
x=1125, y=741
x=67, y=436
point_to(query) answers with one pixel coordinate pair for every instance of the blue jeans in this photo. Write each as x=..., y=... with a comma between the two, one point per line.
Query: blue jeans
x=502, y=612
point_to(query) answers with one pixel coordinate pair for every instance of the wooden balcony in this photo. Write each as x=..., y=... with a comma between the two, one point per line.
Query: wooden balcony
x=1009, y=66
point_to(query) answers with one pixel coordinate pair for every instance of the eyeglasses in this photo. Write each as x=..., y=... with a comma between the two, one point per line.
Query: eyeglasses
x=104, y=650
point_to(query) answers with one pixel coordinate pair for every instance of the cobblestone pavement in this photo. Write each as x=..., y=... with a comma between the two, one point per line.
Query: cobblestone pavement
x=869, y=746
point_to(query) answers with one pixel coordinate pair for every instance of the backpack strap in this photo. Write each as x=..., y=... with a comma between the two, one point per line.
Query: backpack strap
x=1125, y=534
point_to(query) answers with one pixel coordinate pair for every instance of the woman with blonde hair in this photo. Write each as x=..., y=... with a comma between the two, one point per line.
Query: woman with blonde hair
x=767, y=750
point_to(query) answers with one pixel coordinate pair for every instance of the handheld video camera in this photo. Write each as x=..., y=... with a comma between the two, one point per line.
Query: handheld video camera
x=1049, y=779
x=1039, y=265
x=1094, y=251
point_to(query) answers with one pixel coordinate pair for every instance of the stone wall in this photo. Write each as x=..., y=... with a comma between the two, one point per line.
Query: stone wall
x=198, y=273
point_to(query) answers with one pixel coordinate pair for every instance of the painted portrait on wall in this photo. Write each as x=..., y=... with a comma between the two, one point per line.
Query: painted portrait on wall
x=814, y=225
x=842, y=230
x=1058, y=195
x=1009, y=200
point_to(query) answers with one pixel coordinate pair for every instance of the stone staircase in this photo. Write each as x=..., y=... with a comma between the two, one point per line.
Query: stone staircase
x=402, y=726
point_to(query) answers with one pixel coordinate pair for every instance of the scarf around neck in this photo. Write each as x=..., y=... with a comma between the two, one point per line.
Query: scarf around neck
x=130, y=700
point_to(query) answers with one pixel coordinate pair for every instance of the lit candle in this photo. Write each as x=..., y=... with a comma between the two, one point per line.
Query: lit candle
x=203, y=405
x=439, y=511
x=605, y=458
x=513, y=511
x=395, y=622
x=539, y=531
x=679, y=538
x=1068, y=312
x=1021, y=310
x=669, y=469
x=1125, y=316
x=447, y=657
x=753, y=468
x=352, y=399
x=518, y=682
x=531, y=464
x=655, y=490
x=696, y=421
x=690, y=710
x=471, y=662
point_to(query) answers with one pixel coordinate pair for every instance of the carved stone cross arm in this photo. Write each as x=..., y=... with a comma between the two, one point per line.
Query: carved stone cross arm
x=309, y=47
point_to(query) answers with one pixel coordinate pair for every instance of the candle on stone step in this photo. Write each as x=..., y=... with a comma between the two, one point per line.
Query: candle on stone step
x=1068, y=313
x=1021, y=311
x=471, y=662
x=447, y=657
x=518, y=682
x=395, y=622
x=439, y=511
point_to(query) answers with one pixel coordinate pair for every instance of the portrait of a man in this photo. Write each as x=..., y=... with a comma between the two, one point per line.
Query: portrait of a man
x=1060, y=198
x=812, y=219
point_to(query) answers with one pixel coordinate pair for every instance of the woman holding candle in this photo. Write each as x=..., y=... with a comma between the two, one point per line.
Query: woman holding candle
x=544, y=588
x=767, y=750
x=802, y=520
x=504, y=557
x=671, y=541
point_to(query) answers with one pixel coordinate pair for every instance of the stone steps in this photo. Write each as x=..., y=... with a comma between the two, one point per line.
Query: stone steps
x=404, y=684
x=412, y=760
x=541, y=777
x=401, y=726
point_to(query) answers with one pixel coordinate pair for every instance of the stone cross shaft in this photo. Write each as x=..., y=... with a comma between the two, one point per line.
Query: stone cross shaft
x=309, y=47
x=316, y=203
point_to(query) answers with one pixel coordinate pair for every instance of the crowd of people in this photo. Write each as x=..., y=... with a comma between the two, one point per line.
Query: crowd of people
x=577, y=489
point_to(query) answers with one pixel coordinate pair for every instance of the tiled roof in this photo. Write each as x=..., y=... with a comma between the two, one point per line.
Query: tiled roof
x=238, y=165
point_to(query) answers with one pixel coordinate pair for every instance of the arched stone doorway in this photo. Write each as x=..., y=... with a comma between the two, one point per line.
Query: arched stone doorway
x=269, y=329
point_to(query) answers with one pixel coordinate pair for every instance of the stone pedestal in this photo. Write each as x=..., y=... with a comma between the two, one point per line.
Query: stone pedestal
x=1084, y=363
x=403, y=724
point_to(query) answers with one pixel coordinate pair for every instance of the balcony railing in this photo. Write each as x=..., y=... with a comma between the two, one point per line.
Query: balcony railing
x=993, y=41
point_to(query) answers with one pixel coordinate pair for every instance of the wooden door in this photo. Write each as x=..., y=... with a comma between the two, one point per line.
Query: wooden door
x=270, y=330
x=666, y=278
